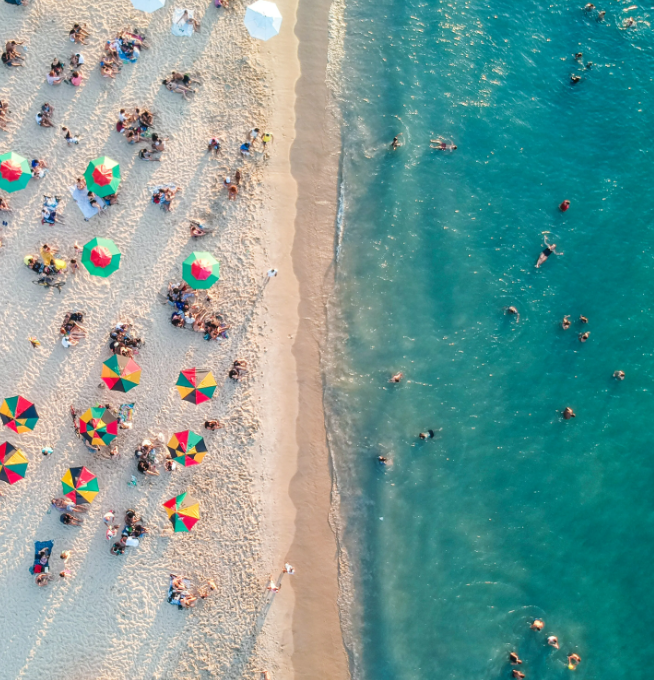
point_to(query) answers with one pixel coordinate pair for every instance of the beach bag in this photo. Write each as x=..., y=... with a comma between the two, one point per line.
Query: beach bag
x=59, y=264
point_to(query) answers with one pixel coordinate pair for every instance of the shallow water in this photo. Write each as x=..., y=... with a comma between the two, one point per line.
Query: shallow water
x=510, y=512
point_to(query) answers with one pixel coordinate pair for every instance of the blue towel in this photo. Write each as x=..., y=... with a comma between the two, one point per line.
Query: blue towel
x=38, y=546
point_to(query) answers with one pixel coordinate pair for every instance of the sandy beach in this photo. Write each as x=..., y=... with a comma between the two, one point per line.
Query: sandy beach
x=264, y=486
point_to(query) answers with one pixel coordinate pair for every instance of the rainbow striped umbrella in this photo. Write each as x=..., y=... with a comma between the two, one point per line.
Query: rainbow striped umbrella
x=13, y=463
x=18, y=414
x=98, y=426
x=196, y=385
x=183, y=512
x=187, y=448
x=80, y=485
x=121, y=373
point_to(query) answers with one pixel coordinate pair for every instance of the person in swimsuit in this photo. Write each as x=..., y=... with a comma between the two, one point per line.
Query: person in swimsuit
x=583, y=337
x=396, y=378
x=549, y=249
x=514, y=658
x=565, y=324
x=538, y=624
x=619, y=375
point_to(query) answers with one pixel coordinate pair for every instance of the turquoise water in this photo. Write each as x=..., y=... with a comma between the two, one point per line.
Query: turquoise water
x=510, y=512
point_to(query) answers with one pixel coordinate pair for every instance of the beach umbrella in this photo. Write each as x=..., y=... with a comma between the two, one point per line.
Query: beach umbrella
x=196, y=385
x=13, y=463
x=263, y=20
x=121, y=373
x=148, y=5
x=200, y=270
x=187, y=448
x=101, y=257
x=183, y=512
x=98, y=426
x=102, y=176
x=15, y=172
x=18, y=414
x=80, y=485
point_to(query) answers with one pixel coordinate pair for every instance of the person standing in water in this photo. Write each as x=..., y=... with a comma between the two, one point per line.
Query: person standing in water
x=565, y=324
x=396, y=142
x=427, y=435
x=549, y=249
x=619, y=375
x=565, y=205
x=513, y=311
x=538, y=624
x=568, y=413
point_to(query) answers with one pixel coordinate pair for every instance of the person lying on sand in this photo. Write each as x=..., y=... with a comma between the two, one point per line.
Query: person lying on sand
x=4, y=206
x=197, y=229
x=178, y=88
x=183, y=78
x=78, y=33
x=42, y=580
x=212, y=425
x=66, y=505
x=70, y=520
x=4, y=110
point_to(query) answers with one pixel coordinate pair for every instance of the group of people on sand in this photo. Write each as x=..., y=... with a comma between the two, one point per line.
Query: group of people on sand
x=183, y=594
x=13, y=56
x=538, y=624
x=47, y=263
x=133, y=530
x=57, y=76
x=71, y=329
x=137, y=127
x=100, y=203
x=43, y=575
x=192, y=315
x=125, y=46
x=123, y=342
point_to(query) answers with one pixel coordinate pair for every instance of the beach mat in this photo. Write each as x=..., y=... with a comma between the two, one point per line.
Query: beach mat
x=37, y=567
x=82, y=200
x=185, y=31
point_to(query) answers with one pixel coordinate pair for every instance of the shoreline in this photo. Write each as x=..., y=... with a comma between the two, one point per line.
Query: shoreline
x=303, y=180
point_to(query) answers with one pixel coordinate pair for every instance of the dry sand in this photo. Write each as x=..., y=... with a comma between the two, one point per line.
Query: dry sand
x=111, y=619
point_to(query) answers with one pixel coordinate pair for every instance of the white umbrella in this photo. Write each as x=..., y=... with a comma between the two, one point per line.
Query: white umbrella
x=263, y=20
x=148, y=5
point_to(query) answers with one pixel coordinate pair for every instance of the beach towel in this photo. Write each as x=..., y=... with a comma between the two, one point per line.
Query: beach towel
x=182, y=30
x=82, y=200
x=37, y=567
x=131, y=59
x=125, y=416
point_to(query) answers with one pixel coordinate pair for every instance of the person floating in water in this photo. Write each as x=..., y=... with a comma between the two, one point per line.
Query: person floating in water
x=567, y=413
x=583, y=337
x=517, y=674
x=553, y=641
x=538, y=624
x=512, y=310
x=514, y=658
x=427, y=435
x=619, y=375
x=578, y=56
x=565, y=205
x=589, y=7
x=573, y=661
x=382, y=460
x=574, y=78
x=396, y=378
x=549, y=249
x=396, y=142
x=441, y=145
x=583, y=319
x=565, y=324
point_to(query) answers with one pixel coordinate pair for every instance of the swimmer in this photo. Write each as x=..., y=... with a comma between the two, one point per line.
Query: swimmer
x=382, y=460
x=564, y=206
x=565, y=324
x=514, y=659
x=628, y=23
x=583, y=337
x=589, y=7
x=396, y=378
x=589, y=65
x=549, y=249
x=395, y=143
x=553, y=641
x=578, y=56
x=573, y=661
x=538, y=624
x=513, y=310
x=619, y=375
x=600, y=16
x=517, y=674
x=574, y=78
x=440, y=145
x=583, y=319
x=427, y=435
x=567, y=413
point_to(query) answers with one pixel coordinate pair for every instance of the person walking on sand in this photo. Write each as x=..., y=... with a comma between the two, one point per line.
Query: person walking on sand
x=289, y=569
x=272, y=586
x=549, y=249
x=270, y=274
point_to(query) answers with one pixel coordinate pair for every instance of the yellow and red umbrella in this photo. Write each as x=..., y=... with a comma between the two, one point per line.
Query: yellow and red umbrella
x=121, y=373
x=98, y=426
x=196, y=385
x=187, y=448
x=80, y=485
x=18, y=414
x=183, y=512
x=13, y=464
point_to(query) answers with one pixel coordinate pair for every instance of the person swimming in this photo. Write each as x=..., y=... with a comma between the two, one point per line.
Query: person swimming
x=573, y=661
x=553, y=641
x=513, y=311
x=427, y=435
x=619, y=375
x=396, y=378
x=567, y=413
x=514, y=658
x=441, y=145
x=583, y=337
x=565, y=205
x=538, y=624
x=565, y=324
x=549, y=249
x=395, y=143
